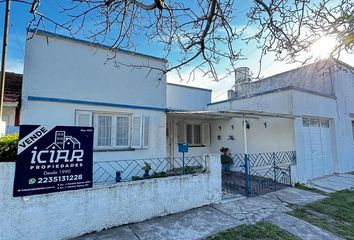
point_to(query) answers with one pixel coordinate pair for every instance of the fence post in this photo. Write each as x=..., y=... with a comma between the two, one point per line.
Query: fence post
x=247, y=176
x=274, y=171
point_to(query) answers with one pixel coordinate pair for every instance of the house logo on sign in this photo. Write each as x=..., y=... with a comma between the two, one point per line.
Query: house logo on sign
x=65, y=149
x=64, y=142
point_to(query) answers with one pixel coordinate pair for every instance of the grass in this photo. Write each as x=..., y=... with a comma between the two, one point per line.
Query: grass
x=334, y=214
x=261, y=230
x=307, y=188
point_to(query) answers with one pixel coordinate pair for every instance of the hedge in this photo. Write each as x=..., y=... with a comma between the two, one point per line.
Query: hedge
x=8, y=148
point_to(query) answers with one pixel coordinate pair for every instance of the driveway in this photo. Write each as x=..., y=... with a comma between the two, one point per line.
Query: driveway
x=333, y=183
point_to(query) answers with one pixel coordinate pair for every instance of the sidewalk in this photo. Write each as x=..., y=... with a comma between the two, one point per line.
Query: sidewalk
x=202, y=222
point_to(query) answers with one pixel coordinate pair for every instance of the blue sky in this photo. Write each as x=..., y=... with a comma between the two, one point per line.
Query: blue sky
x=20, y=18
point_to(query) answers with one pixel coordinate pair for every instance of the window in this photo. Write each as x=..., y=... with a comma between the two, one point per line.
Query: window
x=315, y=122
x=122, y=133
x=193, y=134
x=104, y=130
x=116, y=130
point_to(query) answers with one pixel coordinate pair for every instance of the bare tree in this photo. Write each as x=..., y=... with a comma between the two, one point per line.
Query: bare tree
x=203, y=34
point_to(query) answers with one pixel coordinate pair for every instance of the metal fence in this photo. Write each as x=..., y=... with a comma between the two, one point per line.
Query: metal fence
x=128, y=170
x=256, y=173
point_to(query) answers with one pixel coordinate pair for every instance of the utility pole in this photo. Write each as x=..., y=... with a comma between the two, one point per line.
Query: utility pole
x=3, y=57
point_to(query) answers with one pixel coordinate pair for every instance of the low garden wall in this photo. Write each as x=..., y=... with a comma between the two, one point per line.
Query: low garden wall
x=68, y=214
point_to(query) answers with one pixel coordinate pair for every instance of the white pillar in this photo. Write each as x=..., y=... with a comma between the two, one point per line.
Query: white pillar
x=245, y=134
x=2, y=128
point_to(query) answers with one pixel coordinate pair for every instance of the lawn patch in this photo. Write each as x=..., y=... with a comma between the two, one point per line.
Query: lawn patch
x=261, y=230
x=334, y=214
x=310, y=189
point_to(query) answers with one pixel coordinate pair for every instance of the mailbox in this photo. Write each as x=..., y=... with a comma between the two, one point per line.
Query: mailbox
x=183, y=147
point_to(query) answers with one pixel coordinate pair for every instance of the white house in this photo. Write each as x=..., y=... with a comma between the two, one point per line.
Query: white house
x=320, y=97
x=137, y=115
x=12, y=101
x=70, y=82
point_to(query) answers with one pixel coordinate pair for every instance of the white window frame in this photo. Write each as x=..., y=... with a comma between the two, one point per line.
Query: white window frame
x=78, y=112
x=113, y=131
x=201, y=134
x=145, y=122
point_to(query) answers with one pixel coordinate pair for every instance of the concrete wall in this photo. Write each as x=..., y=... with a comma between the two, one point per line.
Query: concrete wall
x=277, y=102
x=187, y=98
x=64, y=68
x=50, y=113
x=313, y=77
x=278, y=135
x=72, y=213
x=344, y=90
x=70, y=70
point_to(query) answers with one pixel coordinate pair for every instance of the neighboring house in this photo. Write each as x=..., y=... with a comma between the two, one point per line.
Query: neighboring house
x=137, y=115
x=12, y=101
x=320, y=96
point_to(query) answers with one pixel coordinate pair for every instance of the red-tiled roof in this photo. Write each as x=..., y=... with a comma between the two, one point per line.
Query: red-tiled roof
x=13, y=87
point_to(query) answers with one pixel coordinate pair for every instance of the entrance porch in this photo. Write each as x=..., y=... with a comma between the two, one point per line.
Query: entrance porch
x=261, y=146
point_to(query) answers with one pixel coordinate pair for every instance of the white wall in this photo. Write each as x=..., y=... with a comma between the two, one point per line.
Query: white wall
x=68, y=214
x=70, y=70
x=9, y=114
x=50, y=113
x=73, y=70
x=187, y=98
x=313, y=77
x=277, y=136
x=277, y=102
x=344, y=90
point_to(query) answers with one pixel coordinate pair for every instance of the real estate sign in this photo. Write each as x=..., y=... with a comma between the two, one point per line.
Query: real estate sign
x=53, y=159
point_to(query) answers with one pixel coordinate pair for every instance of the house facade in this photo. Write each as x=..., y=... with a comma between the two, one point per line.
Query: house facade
x=125, y=106
x=136, y=114
x=320, y=96
x=12, y=101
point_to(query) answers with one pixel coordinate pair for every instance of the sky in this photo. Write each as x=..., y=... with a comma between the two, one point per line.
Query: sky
x=20, y=18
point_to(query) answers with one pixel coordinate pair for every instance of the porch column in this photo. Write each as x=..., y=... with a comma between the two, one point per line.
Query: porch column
x=247, y=170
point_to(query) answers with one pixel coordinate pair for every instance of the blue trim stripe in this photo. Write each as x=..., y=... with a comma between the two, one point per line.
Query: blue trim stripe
x=61, y=100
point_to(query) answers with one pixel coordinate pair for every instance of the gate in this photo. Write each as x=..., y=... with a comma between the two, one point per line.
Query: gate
x=258, y=173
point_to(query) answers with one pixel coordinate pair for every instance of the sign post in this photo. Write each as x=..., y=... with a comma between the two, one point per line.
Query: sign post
x=53, y=159
x=183, y=148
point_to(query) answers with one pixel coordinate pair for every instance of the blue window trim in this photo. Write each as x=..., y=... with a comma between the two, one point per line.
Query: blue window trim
x=83, y=102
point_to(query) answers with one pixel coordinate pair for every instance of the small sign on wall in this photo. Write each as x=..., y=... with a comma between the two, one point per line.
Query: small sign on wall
x=53, y=159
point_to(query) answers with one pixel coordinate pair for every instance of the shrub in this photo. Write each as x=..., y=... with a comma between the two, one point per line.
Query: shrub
x=226, y=159
x=8, y=148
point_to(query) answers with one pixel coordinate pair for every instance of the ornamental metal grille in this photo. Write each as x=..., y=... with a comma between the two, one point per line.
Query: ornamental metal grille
x=257, y=173
x=128, y=170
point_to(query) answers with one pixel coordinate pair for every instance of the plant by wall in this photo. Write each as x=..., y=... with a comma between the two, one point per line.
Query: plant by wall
x=8, y=148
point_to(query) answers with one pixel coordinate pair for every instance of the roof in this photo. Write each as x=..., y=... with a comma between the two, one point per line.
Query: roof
x=13, y=87
x=63, y=37
x=326, y=61
x=185, y=86
x=210, y=115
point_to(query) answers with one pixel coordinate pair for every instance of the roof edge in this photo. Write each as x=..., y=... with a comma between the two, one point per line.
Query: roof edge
x=186, y=86
x=275, y=91
x=86, y=42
